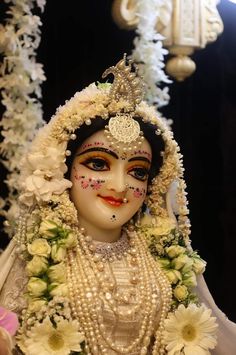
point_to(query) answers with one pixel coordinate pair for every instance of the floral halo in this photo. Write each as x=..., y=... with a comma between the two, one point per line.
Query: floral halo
x=48, y=221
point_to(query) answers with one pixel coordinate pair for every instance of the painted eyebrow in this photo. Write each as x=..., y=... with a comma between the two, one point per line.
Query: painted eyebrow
x=108, y=151
x=140, y=158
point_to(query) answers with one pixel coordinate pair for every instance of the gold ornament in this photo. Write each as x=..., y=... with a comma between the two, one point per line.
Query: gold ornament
x=122, y=130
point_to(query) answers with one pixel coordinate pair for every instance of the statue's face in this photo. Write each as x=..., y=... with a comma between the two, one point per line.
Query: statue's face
x=102, y=177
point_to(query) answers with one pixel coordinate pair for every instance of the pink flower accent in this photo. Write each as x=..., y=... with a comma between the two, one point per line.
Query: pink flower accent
x=84, y=184
x=8, y=321
x=96, y=185
x=138, y=193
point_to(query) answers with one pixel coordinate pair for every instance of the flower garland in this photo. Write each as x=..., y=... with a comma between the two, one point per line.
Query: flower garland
x=149, y=52
x=21, y=77
x=47, y=326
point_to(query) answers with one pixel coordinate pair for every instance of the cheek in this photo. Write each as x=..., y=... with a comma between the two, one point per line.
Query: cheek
x=87, y=181
x=138, y=192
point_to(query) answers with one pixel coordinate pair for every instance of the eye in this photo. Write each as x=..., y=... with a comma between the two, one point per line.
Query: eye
x=139, y=173
x=97, y=164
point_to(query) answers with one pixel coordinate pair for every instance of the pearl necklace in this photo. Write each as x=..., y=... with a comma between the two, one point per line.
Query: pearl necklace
x=89, y=289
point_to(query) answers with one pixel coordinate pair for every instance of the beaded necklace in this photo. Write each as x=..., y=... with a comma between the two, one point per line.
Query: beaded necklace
x=91, y=289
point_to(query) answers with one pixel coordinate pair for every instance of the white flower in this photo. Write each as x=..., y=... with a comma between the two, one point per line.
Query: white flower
x=36, y=287
x=47, y=228
x=180, y=292
x=43, y=187
x=39, y=247
x=173, y=276
x=182, y=261
x=45, y=339
x=189, y=279
x=35, y=305
x=58, y=253
x=51, y=162
x=87, y=94
x=190, y=331
x=59, y=290
x=70, y=241
x=199, y=265
x=56, y=273
x=37, y=265
x=174, y=250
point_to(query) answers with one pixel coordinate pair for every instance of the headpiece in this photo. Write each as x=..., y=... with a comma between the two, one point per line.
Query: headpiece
x=122, y=130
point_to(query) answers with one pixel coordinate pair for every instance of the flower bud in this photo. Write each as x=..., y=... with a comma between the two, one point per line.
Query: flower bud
x=189, y=279
x=58, y=253
x=199, y=265
x=173, y=276
x=181, y=292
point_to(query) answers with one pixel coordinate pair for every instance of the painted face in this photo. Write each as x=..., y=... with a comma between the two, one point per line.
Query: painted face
x=102, y=178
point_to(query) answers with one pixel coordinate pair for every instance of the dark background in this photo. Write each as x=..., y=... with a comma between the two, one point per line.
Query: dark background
x=80, y=40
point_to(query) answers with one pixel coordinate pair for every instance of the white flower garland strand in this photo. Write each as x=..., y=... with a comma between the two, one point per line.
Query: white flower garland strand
x=149, y=52
x=20, y=80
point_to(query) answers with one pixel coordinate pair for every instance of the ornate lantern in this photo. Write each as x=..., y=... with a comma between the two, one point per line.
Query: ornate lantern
x=186, y=25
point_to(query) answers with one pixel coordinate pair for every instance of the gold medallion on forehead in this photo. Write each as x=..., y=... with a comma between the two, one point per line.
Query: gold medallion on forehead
x=123, y=131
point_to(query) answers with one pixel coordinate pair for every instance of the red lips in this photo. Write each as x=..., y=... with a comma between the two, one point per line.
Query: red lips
x=112, y=200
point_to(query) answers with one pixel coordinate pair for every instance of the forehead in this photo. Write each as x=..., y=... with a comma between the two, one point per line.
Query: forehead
x=98, y=139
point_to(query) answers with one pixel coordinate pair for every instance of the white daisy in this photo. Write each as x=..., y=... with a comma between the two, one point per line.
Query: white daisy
x=44, y=339
x=190, y=331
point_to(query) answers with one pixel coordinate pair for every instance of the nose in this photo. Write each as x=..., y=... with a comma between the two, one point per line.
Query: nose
x=117, y=181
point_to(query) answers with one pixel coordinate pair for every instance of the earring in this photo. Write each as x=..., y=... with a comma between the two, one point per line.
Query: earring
x=125, y=200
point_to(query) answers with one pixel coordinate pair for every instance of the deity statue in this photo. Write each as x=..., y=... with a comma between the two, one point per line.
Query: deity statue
x=101, y=261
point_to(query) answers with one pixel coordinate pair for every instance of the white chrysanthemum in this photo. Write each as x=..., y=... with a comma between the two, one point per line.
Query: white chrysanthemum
x=44, y=339
x=190, y=331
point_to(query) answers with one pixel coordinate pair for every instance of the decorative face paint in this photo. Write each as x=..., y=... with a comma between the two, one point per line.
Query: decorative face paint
x=100, y=177
x=94, y=184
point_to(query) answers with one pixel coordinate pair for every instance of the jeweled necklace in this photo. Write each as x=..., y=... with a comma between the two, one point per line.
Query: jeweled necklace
x=89, y=289
x=107, y=251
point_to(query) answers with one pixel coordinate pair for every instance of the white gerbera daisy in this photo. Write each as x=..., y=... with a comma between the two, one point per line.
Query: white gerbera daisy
x=44, y=339
x=190, y=331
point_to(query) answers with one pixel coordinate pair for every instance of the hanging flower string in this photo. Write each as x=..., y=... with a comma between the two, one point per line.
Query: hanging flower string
x=149, y=52
x=20, y=80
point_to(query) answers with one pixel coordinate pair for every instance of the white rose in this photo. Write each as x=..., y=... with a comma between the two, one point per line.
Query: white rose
x=58, y=253
x=189, y=279
x=48, y=229
x=164, y=262
x=70, y=241
x=174, y=250
x=182, y=261
x=37, y=265
x=159, y=226
x=36, y=305
x=39, y=247
x=199, y=265
x=59, y=290
x=56, y=273
x=173, y=276
x=181, y=292
x=36, y=287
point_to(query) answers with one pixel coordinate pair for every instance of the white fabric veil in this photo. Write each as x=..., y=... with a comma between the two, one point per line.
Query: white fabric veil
x=226, y=337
